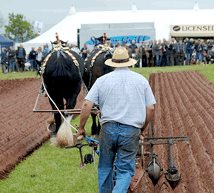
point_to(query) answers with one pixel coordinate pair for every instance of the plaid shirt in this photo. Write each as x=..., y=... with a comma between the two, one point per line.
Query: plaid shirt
x=122, y=96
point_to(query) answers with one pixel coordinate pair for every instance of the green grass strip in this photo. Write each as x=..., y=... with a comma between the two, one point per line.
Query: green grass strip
x=206, y=70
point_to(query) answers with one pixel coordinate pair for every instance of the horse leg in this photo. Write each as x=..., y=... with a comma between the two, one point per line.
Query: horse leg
x=72, y=95
x=71, y=101
x=98, y=127
x=59, y=103
x=94, y=128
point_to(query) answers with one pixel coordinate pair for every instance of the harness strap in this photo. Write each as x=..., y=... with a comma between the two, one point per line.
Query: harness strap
x=75, y=61
x=94, y=57
x=64, y=49
x=102, y=49
x=46, y=60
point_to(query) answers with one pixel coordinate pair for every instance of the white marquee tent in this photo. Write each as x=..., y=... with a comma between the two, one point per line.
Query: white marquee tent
x=67, y=28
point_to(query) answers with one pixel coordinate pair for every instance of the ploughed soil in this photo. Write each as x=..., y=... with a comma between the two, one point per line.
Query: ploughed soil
x=21, y=129
x=185, y=107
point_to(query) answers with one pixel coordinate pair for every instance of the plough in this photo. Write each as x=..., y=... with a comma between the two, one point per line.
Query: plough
x=153, y=168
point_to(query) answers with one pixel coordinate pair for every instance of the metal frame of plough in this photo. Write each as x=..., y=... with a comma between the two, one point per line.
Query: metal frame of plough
x=153, y=166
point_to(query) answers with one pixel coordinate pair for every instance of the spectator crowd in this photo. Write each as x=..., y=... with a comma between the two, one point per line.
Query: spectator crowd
x=148, y=54
x=172, y=52
x=19, y=60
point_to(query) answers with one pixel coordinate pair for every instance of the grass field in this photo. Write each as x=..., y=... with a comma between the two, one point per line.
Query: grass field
x=55, y=170
x=206, y=70
x=16, y=75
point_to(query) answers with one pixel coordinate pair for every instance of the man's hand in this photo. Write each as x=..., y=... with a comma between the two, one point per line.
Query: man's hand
x=81, y=131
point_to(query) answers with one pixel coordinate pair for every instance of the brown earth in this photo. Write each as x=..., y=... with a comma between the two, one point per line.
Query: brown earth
x=21, y=130
x=185, y=107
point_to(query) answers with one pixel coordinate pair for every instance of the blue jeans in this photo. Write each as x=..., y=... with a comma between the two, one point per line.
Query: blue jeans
x=33, y=64
x=118, y=144
x=188, y=58
x=199, y=57
x=157, y=59
x=12, y=65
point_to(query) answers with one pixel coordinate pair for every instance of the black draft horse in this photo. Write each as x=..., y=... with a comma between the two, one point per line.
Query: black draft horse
x=94, y=68
x=62, y=77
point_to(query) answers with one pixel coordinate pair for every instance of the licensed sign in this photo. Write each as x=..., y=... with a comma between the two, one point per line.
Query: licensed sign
x=192, y=30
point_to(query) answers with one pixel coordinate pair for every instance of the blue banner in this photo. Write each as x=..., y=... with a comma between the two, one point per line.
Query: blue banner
x=121, y=39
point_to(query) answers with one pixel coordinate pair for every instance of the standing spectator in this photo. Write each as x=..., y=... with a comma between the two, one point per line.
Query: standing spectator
x=170, y=53
x=210, y=51
x=4, y=60
x=123, y=43
x=188, y=50
x=39, y=58
x=150, y=51
x=199, y=49
x=133, y=48
x=144, y=54
x=11, y=60
x=175, y=51
x=205, y=52
x=45, y=50
x=20, y=55
x=181, y=55
x=75, y=48
x=109, y=44
x=129, y=50
x=157, y=52
x=193, y=57
x=118, y=44
x=117, y=93
x=32, y=59
x=164, y=53
x=102, y=39
x=211, y=55
x=84, y=51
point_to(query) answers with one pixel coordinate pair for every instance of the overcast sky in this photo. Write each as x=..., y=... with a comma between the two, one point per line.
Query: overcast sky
x=51, y=12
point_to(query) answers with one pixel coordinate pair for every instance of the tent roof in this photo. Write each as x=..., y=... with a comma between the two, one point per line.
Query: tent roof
x=5, y=40
x=67, y=28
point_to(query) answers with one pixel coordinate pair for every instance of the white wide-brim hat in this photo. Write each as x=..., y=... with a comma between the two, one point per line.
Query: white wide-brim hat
x=120, y=58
